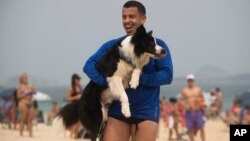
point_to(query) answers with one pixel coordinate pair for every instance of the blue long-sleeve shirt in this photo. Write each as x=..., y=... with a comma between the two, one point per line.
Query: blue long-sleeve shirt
x=144, y=100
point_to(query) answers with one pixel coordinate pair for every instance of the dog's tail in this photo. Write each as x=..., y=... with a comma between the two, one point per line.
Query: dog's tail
x=90, y=109
x=70, y=114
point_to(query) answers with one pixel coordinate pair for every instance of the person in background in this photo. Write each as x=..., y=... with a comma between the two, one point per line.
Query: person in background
x=192, y=99
x=17, y=113
x=182, y=121
x=232, y=116
x=55, y=108
x=35, y=104
x=173, y=118
x=211, y=109
x=7, y=106
x=246, y=116
x=25, y=94
x=163, y=103
x=219, y=100
x=74, y=93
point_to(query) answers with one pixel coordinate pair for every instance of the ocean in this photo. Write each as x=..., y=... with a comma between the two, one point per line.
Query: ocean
x=229, y=90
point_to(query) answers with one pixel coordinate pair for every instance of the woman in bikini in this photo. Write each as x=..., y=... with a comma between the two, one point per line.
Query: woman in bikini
x=25, y=93
x=74, y=93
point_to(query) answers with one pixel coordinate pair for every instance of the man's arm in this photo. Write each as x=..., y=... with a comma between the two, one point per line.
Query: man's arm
x=90, y=69
x=165, y=73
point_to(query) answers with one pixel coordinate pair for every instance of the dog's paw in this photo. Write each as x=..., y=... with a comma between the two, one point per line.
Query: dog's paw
x=126, y=110
x=134, y=84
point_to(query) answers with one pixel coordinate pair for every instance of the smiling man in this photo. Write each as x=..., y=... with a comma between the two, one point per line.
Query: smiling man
x=144, y=100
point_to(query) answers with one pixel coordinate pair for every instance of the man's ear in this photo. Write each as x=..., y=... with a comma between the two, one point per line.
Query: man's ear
x=150, y=33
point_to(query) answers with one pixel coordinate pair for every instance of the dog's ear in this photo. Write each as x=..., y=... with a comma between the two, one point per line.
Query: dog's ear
x=141, y=30
x=150, y=33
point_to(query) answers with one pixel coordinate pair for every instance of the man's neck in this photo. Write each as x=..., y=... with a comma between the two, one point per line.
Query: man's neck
x=191, y=87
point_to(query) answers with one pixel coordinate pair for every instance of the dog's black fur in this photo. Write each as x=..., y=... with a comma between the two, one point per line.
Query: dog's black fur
x=88, y=108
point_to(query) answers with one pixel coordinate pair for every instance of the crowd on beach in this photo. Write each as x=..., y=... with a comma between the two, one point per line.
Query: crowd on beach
x=237, y=114
x=173, y=111
x=23, y=110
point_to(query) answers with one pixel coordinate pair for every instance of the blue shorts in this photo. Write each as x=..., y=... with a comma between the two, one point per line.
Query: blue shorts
x=194, y=119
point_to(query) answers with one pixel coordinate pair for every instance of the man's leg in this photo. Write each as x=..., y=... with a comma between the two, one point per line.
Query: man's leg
x=116, y=130
x=146, y=131
x=202, y=134
x=190, y=125
x=191, y=134
x=200, y=124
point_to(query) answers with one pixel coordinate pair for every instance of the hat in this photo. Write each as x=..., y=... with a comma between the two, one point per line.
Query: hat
x=190, y=77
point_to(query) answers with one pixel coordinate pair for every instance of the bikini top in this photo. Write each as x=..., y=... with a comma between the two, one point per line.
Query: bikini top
x=26, y=93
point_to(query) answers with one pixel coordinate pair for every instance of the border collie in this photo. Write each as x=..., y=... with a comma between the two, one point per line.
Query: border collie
x=122, y=66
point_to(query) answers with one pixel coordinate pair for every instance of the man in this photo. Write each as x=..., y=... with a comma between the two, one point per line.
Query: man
x=219, y=100
x=144, y=101
x=191, y=98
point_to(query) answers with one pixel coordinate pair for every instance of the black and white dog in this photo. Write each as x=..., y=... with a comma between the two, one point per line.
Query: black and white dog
x=122, y=66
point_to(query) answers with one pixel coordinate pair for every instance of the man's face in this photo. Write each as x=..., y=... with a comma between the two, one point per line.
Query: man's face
x=190, y=82
x=132, y=19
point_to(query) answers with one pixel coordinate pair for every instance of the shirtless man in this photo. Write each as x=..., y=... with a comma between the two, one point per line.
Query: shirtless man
x=191, y=98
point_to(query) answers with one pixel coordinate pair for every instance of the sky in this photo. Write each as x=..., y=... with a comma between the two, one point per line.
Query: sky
x=53, y=38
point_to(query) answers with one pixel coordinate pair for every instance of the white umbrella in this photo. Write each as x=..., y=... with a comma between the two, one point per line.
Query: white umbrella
x=40, y=96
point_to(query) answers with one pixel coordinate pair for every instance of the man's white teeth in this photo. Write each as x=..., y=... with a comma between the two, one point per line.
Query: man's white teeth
x=128, y=26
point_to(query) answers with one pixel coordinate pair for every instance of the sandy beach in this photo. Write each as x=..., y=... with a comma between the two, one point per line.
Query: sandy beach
x=215, y=129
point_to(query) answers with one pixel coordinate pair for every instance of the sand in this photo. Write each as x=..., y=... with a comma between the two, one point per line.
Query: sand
x=215, y=130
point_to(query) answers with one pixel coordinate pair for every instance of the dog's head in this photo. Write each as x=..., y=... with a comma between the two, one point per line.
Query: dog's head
x=145, y=43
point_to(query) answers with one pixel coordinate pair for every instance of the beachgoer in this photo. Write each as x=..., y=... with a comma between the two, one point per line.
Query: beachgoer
x=16, y=110
x=25, y=93
x=191, y=97
x=163, y=103
x=144, y=100
x=173, y=118
x=246, y=116
x=55, y=108
x=7, y=110
x=211, y=109
x=219, y=100
x=74, y=93
x=232, y=116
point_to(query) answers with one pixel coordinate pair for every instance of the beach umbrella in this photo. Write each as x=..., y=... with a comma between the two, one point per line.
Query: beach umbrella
x=7, y=93
x=40, y=96
x=244, y=98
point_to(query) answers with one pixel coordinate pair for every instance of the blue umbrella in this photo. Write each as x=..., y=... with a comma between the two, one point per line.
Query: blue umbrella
x=7, y=93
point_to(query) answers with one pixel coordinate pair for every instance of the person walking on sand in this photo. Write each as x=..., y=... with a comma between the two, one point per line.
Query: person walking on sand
x=173, y=118
x=191, y=97
x=25, y=94
x=219, y=100
x=74, y=93
x=144, y=100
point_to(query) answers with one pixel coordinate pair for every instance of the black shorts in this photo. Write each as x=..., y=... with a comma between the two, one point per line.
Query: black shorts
x=130, y=121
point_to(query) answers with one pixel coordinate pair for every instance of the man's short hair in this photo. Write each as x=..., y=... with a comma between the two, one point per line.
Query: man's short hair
x=138, y=5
